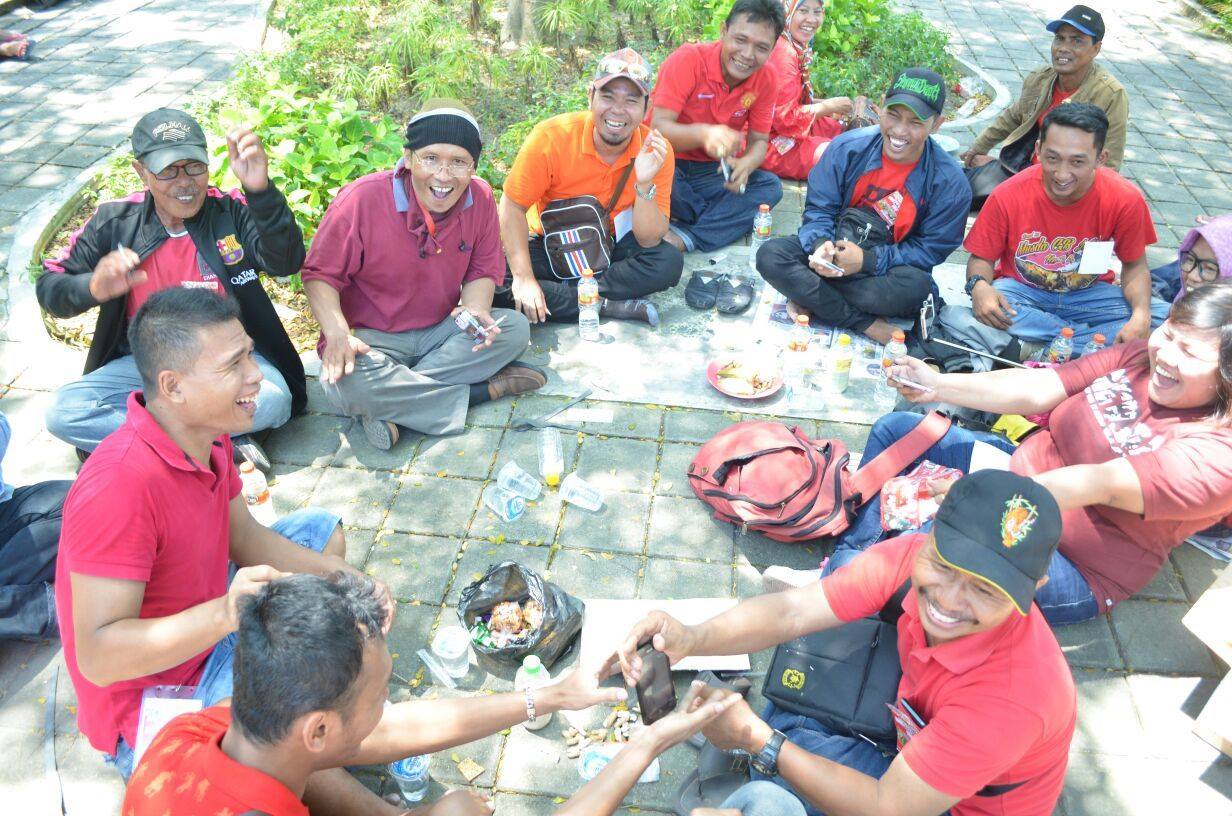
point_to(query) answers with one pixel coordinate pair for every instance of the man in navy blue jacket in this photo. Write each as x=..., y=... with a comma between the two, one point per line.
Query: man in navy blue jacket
x=884, y=206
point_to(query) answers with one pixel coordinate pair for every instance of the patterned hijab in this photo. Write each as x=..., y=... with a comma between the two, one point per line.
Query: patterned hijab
x=803, y=52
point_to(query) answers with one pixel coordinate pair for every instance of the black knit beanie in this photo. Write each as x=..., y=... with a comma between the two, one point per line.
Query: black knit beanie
x=444, y=122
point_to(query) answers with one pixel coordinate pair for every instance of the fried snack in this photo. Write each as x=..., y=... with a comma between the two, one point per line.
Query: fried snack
x=532, y=614
x=506, y=617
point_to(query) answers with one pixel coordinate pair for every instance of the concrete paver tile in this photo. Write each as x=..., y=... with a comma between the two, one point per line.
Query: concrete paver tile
x=409, y=633
x=681, y=425
x=479, y=554
x=357, y=453
x=468, y=454
x=667, y=579
x=1165, y=586
x=291, y=486
x=306, y=440
x=618, y=464
x=686, y=528
x=431, y=504
x=1090, y=644
x=1167, y=707
x=414, y=567
x=1107, y=720
x=1153, y=639
x=360, y=497
x=590, y=575
x=619, y=525
x=674, y=462
x=537, y=524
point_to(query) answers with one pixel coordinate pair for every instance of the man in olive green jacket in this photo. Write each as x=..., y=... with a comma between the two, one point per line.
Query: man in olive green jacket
x=1073, y=76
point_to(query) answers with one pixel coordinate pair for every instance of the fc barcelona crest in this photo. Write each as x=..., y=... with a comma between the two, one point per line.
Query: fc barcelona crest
x=230, y=250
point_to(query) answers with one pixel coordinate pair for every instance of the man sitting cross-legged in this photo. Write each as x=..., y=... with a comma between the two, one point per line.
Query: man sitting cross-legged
x=714, y=102
x=985, y=709
x=601, y=152
x=312, y=671
x=157, y=545
x=179, y=231
x=893, y=181
x=398, y=254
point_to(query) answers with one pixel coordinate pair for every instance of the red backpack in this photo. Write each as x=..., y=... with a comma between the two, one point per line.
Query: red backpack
x=767, y=477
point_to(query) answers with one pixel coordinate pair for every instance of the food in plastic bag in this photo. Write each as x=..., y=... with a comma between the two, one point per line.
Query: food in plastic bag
x=511, y=612
x=907, y=501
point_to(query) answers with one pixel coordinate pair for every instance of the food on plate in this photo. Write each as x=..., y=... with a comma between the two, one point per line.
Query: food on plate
x=743, y=378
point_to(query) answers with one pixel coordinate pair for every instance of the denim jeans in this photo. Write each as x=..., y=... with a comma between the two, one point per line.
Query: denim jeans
x=1166, y=281
x=85, y=411
x=1098, y=309
x=310, y=528
x=1067, y=597
x=706, y=215
x=764, y=798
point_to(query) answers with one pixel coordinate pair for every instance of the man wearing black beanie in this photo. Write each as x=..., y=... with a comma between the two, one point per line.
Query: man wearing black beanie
x=401, y=276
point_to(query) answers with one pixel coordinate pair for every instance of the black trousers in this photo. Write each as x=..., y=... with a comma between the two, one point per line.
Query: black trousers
x=851, y=303
x=636, y=271
x=29, y=540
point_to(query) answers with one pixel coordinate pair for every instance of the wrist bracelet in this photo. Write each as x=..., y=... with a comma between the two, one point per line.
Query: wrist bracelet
x=530, y=705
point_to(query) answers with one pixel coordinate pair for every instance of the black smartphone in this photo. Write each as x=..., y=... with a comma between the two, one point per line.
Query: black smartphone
x=656, y=696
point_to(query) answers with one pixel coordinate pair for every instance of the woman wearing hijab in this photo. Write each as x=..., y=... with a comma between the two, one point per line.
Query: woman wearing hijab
x=1204, y=256
x=802, y=125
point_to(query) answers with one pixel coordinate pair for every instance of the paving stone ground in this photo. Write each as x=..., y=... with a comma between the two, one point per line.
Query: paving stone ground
x=413, y=514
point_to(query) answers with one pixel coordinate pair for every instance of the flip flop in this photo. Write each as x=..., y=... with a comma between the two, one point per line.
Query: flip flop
x=701, y=294
x=733, y=298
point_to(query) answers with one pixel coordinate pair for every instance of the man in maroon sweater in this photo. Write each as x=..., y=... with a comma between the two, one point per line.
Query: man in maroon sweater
x=398, y=255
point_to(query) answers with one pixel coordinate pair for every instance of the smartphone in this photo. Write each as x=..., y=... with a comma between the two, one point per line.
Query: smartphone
x=835, y=268
x=908, y=383
x=656, y=696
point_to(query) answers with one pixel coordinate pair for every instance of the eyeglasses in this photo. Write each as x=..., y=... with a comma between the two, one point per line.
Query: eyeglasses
x=191, y=169
x=1208, y=271
x=457, y=168
x=624, y=65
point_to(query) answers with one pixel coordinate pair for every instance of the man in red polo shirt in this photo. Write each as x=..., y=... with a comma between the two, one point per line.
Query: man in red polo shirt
x=154, y=519
x=714, y=102
x=986, y=706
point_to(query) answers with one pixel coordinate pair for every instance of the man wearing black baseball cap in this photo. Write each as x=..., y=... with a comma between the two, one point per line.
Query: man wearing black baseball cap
x=178, y=231
x=1073, y=76
x=985, y=709
x=885, y=205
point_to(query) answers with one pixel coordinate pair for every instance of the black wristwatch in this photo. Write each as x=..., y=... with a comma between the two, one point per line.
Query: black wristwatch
x=972, y=281
x=766, y=761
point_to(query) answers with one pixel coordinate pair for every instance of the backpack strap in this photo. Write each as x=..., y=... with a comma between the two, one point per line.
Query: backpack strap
x=868, y=480
x=620, y=188
x=893, y=609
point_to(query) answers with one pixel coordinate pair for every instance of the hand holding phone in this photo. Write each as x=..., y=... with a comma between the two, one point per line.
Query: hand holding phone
x=656, y=696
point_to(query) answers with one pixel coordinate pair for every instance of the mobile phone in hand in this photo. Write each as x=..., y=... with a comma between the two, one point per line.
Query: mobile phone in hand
x=835, y=268
x=656, y=696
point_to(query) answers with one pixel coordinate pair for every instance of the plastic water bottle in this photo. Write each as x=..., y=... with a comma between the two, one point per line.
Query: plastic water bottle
x=551, y=458
x=504, y=503
x=885, y=395
x=840, y=363
x=762, y=223
x=1096, y=343
x=897, y=347
x=795, y=357
x=411, y=776
x=256, y=494
x=588, y=306
x=532, y=675
x=1062, y=347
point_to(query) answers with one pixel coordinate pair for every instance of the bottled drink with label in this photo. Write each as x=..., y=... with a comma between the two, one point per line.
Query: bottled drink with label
x=886, y=396
x=897, y=347
x=588, y=306
x=1097, y=343
x=795, y=356
x=532, y=675
x=763, y=222
x=840, y=363
x=256, y=493
x=1062, y=347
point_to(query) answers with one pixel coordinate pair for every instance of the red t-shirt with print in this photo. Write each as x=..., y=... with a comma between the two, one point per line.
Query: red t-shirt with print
x=999, y=706
x=1040, y=243
x=1058, y=96
x=173, y=263
x=691, y=83
x=1183, y=464
x=883, y=192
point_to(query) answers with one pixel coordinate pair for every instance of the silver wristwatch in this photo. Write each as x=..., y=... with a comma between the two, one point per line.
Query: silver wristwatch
x=649, y=195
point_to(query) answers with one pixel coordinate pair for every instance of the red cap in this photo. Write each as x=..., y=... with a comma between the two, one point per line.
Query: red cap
x=1067, y=332
x=899, y=335
x=1099, y=338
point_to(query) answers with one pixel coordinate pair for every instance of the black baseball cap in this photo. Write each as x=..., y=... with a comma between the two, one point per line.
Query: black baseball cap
x=1000, y=527
x=1084, y=18
x=165, y=136
x=920, y=89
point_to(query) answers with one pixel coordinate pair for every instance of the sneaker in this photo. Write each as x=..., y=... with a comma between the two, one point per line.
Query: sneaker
x=244, y=447
x=381, y=433
x=778, y=578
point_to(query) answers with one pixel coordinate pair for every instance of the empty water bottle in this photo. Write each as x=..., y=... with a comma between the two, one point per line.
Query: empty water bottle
x=1062, y=347
x=763, y=222
x=588, y=306
x=551, y=458
x=576, y=490
x=795, y=356
x=840, y=363
x=411, y=776
x=1095, y=344
x=515, y=480
x=504, y=503
x=885, y=395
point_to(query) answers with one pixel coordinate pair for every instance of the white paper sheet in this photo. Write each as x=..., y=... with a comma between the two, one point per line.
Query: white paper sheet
x=623, y=222
x=608, y=623
x=988, y=457
x=1096, y=258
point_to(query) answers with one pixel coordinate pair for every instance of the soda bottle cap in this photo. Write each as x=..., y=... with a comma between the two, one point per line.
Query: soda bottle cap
x=247, y=467
x=1067, y=332
x=886, y=363
x=844, y=340
x=1099, y=338
x=802, y=320
x=531, y=664
x=764, y=208
x=588, y=272
x=899, y=336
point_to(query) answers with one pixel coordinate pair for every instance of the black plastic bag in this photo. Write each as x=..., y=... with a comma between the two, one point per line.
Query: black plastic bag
x=510, y=581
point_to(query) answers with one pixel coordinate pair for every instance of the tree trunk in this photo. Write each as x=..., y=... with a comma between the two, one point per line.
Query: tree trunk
x=621, y=42
x=519, y=26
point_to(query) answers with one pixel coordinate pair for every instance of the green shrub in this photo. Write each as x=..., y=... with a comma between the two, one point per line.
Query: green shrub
x=895, y=42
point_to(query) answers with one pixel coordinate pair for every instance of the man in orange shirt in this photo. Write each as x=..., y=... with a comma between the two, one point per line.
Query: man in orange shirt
x=604, y=152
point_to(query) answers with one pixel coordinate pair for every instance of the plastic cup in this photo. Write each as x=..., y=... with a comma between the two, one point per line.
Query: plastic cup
x=576, y=490
x=506, y=504
x=453, y=646
x=515, y=480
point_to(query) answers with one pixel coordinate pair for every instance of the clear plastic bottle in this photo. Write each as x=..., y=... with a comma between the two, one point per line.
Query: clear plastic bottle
x=840, y=363
x=551, y=457
x=256, y=493
x=411, y=776
x=885, y=395
x=795, y=356
x=897, y=347
x=1096, y=343
x=763, y=222
x=588, y=306
x=533, y=675
x=1062, y=347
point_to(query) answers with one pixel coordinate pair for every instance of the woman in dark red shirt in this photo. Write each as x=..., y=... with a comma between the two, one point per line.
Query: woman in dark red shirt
x=1138, y=452
x=802, y=125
